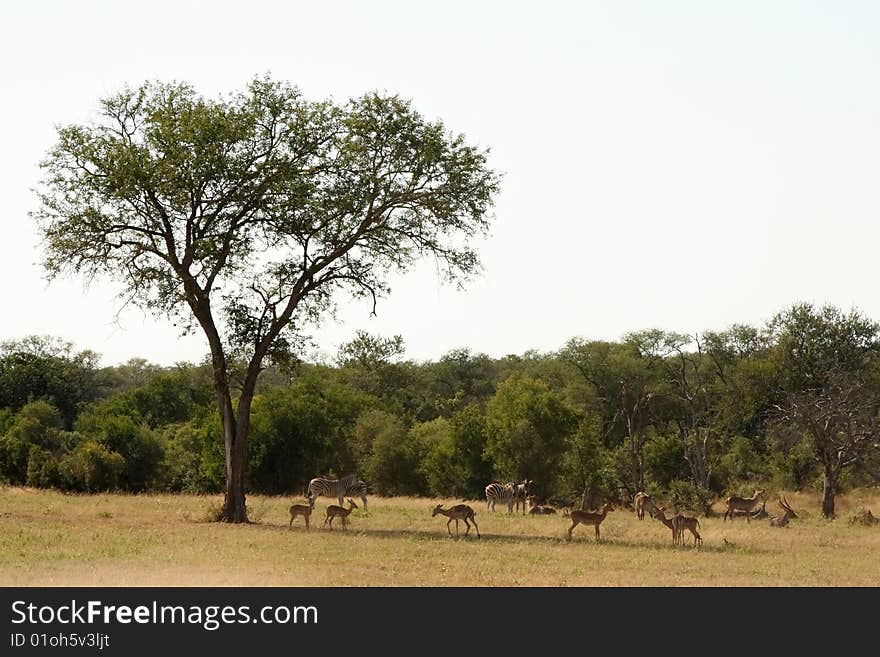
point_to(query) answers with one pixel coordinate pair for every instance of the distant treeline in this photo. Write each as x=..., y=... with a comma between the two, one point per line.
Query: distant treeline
x=685, y=417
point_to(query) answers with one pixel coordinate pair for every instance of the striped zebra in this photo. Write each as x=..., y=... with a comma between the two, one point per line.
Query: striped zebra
x=508, y=494
x=347, y=486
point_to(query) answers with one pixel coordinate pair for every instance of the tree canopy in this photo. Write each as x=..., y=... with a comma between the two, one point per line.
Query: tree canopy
x=245, y=216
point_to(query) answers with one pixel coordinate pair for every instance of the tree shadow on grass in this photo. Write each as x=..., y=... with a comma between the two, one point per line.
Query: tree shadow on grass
x=519, y=539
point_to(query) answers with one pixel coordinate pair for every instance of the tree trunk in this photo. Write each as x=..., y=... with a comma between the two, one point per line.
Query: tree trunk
x=235, y=438
x=829, y=483
x=234, y=508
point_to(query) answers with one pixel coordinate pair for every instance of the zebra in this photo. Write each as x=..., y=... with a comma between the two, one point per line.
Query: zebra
x=508, y=494
x=347, y=486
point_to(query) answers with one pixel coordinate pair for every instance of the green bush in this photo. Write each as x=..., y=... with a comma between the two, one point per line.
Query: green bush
x=687, y=496
x=42, y=469
x=797, y=468
x=664, y=460
x=91, y=467
x=742, y=462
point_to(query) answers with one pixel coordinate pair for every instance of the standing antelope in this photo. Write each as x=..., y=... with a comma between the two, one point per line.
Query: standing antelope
x=348, y=486
x=660, y=514
x=642, y=500
x=746, y=504
x=334, y=511
x=777, y=521
x=579, y=517
x=683, y=522
x=304, y=510
x=458, y=512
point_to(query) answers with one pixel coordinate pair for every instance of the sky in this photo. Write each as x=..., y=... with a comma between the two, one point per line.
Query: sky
x=674, y=165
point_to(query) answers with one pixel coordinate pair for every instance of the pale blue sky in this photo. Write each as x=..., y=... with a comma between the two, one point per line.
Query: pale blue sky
x=681, y=165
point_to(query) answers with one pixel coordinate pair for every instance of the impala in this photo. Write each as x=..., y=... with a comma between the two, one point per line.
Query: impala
x=746, y=504
x=782, y=521
x=683, y=522
x=642, y=500
x=304, y=510
x=458, y=512
x=536, y=509
x=579, y=517
x=334, y=511
x=864, y=517
x=660, y=515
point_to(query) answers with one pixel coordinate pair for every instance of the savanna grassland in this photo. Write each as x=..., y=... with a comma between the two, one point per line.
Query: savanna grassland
x=51, y=539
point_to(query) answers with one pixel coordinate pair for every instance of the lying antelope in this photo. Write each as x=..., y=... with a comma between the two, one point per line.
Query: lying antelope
x=777, y=521
x=458, y=512
x=579, y=517
x=304, y=510
x=642, y=500
x=864, y=517
x=746, y=504
x=536, y=509
x=334, y=511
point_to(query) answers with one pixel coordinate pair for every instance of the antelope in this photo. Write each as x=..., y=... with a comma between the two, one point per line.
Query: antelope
x=642, y=500
x=539, y=509
x=864, y=517
x=683, y=522
x=334, y=511
x=304, y=510
x=777, y=521
x=746, y=504
x=579, y=517
x=458, y=512
x=669, y=522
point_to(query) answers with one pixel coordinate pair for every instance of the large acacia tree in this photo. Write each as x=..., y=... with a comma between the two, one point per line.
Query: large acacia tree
x=244, y=216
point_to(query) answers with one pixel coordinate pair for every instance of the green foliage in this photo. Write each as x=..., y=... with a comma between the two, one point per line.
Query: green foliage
x=136, y=443
x=688, y=497
x=742, y=462
x=91, y=468
x=527, y=426
x=302, y=431
x=441, y=467
x=796, y=468
x=586, y=466
x=42, y=469
x=47, y=368
x=37, y=424
x=453, y=464
x=458, y=379
x=164, y=398
x=664, y=460
x=395, y=454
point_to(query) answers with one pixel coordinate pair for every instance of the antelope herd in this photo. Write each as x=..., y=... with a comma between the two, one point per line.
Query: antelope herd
x=519, y=494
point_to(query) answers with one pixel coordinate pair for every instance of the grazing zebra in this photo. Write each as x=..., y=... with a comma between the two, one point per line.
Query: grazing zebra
x=507, y=494
x=348, y=486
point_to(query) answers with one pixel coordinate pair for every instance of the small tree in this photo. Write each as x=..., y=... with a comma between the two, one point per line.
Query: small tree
x=840, y=420
x=244, y=216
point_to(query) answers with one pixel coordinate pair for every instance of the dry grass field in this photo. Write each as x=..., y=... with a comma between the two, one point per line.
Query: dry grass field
x=51, y=539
